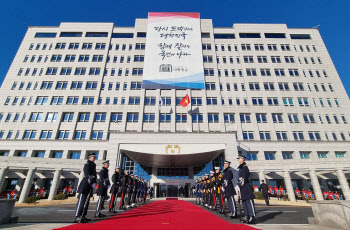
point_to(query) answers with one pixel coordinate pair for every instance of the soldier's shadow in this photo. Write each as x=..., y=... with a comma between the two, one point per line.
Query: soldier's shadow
x=269, y=216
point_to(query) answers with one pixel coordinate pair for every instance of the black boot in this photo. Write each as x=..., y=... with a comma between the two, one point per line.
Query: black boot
x=77, y=220
x=233, y=215
x=245, y=220
x=251, y=220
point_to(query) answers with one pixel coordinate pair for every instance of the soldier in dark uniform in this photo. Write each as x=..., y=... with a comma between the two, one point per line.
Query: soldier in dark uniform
x=198, y=194
x=229, y=190
x=85, y=189
x=265, y=192
x=103, y=186
x=138, y=195
x=219, y=180
x=124, y=187
x=206, y=185
x=144, y=190
x=212, y=191
x=247, y=195
x=115, y=188
x=135, y=185
x=130, y=190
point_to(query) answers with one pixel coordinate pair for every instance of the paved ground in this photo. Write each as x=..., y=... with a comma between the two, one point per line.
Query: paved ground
x=59, y=215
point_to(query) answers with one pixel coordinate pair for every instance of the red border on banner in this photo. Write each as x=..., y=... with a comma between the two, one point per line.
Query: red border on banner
x=167, y=14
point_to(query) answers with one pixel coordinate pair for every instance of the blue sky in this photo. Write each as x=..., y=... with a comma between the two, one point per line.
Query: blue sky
x=333, y=16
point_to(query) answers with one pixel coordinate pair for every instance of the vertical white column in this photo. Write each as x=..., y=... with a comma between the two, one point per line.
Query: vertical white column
x=26, y=186
x=262, y=176
x=55, y=184
x=289, y=186
x=343, y=183
x=3, y=173
x=316, y=185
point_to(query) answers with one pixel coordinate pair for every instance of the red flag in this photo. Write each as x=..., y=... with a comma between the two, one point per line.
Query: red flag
x=185, y=101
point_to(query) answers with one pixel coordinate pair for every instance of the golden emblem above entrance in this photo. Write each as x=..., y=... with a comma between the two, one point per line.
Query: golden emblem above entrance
x=172, y=149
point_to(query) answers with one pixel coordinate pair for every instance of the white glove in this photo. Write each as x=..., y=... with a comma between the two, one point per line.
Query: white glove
x=223, y=189
x=214, y=188
x=108, y=186
x=237, y=187
x=93, y=185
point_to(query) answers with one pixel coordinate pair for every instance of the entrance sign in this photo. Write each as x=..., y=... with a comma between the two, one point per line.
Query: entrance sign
x=173, y=55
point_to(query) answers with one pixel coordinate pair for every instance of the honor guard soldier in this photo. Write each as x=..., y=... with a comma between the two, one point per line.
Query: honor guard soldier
x=130, y=190
x=103, y=186
x=203, y=190
x=247, y=195
x=85, y=189
x=138, y=195
x=124, y=187
x=219, y=179
x=211, y=194
x=265, y=192
x=198, y=192
x=135, y=185
x=115, y=188
x=144, y=190
x=206, y=188
x=229, y=190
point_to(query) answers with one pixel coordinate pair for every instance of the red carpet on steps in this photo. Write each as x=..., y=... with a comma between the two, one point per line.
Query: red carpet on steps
x=163, y=215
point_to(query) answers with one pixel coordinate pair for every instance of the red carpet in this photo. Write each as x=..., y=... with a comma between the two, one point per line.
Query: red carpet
x=164, y=215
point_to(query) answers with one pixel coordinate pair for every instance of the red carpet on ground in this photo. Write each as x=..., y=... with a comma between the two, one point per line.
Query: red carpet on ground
x=164, y=215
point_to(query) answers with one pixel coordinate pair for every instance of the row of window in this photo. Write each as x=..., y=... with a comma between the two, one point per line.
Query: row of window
x=86, y=46
x=308, y=118
x=52, y=154
x=79, y=71
x=264, y=72
x=259, y=47
x=288, y=155
x=257, y=35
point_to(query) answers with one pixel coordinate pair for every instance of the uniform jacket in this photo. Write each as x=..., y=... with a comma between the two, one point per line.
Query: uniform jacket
x=212, y=184
x=103, y=182
x=219, y=181
x=135, y=184
x=264, y=190
x=125, y=181
x=229, y=189
x=246, y=189
x=85, y=185
x=116, y=182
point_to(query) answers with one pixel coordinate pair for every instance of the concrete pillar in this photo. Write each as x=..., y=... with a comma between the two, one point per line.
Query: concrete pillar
x=55, y=184
x=289, y=186
x=262, y=176
x=26, y=186
x=316, y=185
x=3, y=173
x=343, y=183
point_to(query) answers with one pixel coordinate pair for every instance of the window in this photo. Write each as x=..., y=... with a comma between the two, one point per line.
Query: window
x=67, y=117
x=262, y=59
x=272, y=47
x=56, y=58
x=288, y=101
x=300, y=36
x=80, y=71
x=21, y=154
x=148, y=117
x=261, y=117
x=51, y=117
x=339, y=154
x=248, y=59
x=97, y=58
x=80, y=135
x=277, y=118
x=164, y=117
x=196, y=101
x=303, y=101
x=91, y=85
x=259, y=47
x=139, y=58
x=287, y=155
x=289, y=59
x=136, y=86
x=29, y=134
x=248, y=135
x=56, y=101
x=221, y=36
x=140, y=46
x=116, y=117
x=73, y=46
x=210, y=86
x=281, y=136
x=61, y=85
x=304, y=155
x=252, y=156
x=309, y=118
x=150, y=100
x=137, y=71
x=66, y=71
x=298, y=86
x=265, y=72
x=245, y=47
x=46, y=134
x=69, y=58
x=245, y=117
x=293, y=72
x=279, y=72
x=74, y=155
x=314, y=136
x=84, y=117
x=134, y=100
x=213, y=117
x=254, y=86
x=57, y=154
x=322, y=154
x=212, y=101
x=276, y=59
x=41, y=100
x=51, y=71
x=298, y=136
x=132, y=117
x=265, y=136
x=100, y=46
x=100, y=117
x=94, y=71
x=257, y=101
x=285, y=47
x=197, y=118
x=35, y=117
x=72, y=100
x=270, y=156
x=272, y=101
x=251, y=72
x=206, y=46
x=209, y=72
x=60, y=46
x=229, y=117
x=63, y=134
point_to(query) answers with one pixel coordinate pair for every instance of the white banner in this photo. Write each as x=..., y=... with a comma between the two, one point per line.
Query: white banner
x=173, y=56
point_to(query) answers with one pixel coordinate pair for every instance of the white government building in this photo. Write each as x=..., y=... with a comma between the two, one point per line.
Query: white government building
x=271, y=93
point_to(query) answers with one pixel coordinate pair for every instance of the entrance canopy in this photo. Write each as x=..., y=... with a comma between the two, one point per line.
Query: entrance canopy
x=172, y=155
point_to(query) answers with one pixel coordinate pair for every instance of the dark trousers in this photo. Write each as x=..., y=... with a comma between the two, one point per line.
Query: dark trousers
x=100, y=203
x=248, y=207
x=82, y=205
x=133, y=198
x=113, y=200
x=231, y=204
x=122, y=198
x=129, y=197
x=267, y=200
x=210, y=199
x=221, y=200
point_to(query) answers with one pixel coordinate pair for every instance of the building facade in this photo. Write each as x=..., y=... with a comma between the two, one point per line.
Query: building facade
x=272, y=93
